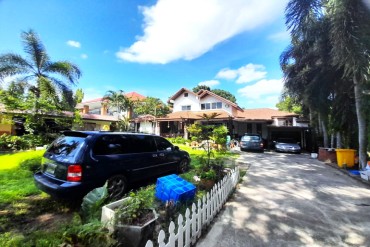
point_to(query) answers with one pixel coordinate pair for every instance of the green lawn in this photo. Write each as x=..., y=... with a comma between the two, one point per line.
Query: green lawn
x=21, y=203
x=16, y=182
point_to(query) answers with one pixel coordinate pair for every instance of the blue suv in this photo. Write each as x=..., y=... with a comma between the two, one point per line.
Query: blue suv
x=80, y=161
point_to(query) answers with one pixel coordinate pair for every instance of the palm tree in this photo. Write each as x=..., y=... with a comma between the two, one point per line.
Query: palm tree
x=351, y=50
x=343, y=47
x=43, y=77
x=116, y=100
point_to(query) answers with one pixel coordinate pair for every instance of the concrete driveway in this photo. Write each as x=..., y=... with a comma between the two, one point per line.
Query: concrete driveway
x=292, y=200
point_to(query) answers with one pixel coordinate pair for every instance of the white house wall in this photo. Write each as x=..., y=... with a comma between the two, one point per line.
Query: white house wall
x=195, y=103
x=183, y=101
x=211, y=99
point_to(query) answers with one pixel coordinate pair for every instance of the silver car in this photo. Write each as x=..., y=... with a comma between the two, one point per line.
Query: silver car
x=287, y=145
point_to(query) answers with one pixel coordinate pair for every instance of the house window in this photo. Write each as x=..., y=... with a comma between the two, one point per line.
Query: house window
x=186, y=107
x=186, y=94
x=214, y=105
x=205, y=106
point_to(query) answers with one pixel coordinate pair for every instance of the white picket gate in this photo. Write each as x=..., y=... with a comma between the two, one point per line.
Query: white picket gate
x=188, y=232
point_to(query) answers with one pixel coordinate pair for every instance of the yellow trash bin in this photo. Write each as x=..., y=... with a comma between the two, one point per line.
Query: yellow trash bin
x=345, y=157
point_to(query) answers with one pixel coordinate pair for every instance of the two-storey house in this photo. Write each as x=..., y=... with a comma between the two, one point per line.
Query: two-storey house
x=207, y=107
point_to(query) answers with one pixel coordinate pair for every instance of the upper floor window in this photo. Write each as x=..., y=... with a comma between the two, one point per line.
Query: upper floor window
x=214, y=105
x=186, y=94
x=186, y=107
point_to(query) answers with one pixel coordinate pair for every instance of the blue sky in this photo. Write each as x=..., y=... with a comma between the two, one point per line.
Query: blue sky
x=156, y=47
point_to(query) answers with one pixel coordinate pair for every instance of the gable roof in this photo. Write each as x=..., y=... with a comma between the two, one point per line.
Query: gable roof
x=203, y=93
x=263, y=114
x=178, y=93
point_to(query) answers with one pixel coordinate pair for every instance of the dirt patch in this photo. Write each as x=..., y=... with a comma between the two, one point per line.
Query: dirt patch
x=35, y=213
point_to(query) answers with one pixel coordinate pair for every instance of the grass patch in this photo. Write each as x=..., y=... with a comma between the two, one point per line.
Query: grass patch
x=29, y=217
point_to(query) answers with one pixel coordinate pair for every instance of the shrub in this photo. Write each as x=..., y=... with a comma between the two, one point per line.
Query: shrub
x=136, y=206
x=32, y=164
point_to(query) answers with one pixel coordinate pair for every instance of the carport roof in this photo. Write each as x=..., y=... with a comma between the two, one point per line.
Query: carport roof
x=196, y=115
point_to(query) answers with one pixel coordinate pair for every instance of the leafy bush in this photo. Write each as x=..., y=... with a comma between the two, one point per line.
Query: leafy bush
x=219, y=134
x=8, y=142
x=32, y=164
x=91, y=234
x=93, y=202
x=136, y=206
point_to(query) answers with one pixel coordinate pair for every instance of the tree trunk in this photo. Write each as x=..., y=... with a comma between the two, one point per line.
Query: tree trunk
x=361, y=119
x=339, y=140
x=324, y=133
x=332, y=140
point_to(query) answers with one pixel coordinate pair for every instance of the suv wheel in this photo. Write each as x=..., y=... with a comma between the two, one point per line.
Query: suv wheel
x=183, y=166
x=117, y=186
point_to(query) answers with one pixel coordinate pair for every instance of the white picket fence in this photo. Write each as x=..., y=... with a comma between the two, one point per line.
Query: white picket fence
x=188, y=232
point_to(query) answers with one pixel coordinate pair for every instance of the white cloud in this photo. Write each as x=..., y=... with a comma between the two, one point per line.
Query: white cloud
x=227, y=74
x=247, y=73
x=186, y=29
x=73, y=43
x=262, y=89
x=84, y=56
x=209, y=83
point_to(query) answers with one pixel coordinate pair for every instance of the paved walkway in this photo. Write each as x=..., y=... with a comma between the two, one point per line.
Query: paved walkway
x=292, y=200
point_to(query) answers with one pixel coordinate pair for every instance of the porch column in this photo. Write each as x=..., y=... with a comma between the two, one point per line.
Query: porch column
x=157, y=128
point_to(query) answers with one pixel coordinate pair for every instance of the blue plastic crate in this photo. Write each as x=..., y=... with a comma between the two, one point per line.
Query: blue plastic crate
x=174, y=188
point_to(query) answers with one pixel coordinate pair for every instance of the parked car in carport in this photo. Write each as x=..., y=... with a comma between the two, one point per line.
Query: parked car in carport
x=80, y=161
x=287, y=145
x=252, y=142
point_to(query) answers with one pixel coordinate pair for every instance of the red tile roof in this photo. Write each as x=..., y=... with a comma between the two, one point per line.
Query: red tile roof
x=131, y=95
x=135, y=96
x=263, y=114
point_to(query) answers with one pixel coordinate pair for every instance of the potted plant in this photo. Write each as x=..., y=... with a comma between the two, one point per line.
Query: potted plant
x=132, y=219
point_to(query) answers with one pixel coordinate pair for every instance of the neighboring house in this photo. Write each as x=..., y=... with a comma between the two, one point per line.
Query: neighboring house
x=190, y=107
x=12, y=122
x=100, y=107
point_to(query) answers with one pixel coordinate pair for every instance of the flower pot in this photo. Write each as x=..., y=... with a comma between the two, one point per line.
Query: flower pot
x=127, y=235
x=135, y=236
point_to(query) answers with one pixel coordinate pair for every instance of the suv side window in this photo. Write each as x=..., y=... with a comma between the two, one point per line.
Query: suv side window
x=162, y=144
x=143, y=144
x=113, y=144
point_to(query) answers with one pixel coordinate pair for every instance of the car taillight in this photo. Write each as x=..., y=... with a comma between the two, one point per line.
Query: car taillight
x=74, y=173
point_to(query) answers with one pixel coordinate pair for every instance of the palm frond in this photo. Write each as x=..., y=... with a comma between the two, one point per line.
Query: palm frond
x=13, y=64
x=35, y=49
x=66, y=69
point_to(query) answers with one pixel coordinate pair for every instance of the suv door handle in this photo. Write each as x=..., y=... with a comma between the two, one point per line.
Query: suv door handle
x=155, y=155
x=161, y=154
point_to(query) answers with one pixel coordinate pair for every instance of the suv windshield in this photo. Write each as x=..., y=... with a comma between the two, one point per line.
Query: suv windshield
x=251, y=138
x=66, y=147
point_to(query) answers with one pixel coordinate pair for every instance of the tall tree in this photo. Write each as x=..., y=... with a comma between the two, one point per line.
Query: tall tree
x=201, y=87
x=153, y=106
x=45, y=79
